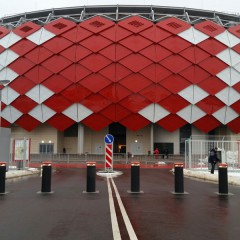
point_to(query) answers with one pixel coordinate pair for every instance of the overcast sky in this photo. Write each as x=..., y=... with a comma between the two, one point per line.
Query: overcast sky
x=10, y=7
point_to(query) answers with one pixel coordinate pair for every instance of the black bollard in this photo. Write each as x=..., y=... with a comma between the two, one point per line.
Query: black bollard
x=46, y=177
x=178, y=173
x=2, y=177
x=91, y=177
x=222, y=178
x=135, y=177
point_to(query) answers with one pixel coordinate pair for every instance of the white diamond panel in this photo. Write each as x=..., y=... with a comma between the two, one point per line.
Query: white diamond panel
x=40, y=36
x=11, y=114
x=228, y=39
x=7, y=57
x=42, y=113
x=225, y=115
x=228, y=95
x=191, y=113
x=230, y=76
x=9, y=95
x=193, y=35
x=7, y=73
x=10, y=39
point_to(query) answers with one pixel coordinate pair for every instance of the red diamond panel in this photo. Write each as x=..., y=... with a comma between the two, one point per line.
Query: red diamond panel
x=97, y=24
x=57, y=44
x=175, y=44
x=194, y=74
x=172, y=122
x=135, y=62
x=23, y=46
x=24, y=104
x=135, y=42
x=2, y=49
x=135, y=82
x=59, y=26
x=56, y=83
x=175, y=83
x=58, y=103
x=212, y=46
x=56, y=63
x=95, y=82
x=209, y=28
x=236, y=48
x=155, y=93
x=115, y=112
x=213, y=65
x=194, y=54
x=155, y=34
x=3, y=32
x=75, y=53
x=134, y=122
x=155, y=72
x=21, y=65
x=95, y=43
x=155, y=52
x=135, y=24
x=75, y=72
x=234, y=125
x=115, y=92
x=38, y=74
x=235, y=30
x=95, y=62
x=210, y=104
x=76, y=92
x=237, y=87
x=26, y=29
x=135, y=102
x=38, y=55
x=174, y=25
x=212, y=85
x=77, y=34
x=22, y=85
x=90, y=102
x=207, y=123
x=174, y=103
x=5, y=123
x=60, y=122
x=236, y=106
x=27, y=122
x=175, y=63
x=96, y=122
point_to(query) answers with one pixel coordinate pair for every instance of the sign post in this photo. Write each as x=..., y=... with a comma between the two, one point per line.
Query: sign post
x=108, y=139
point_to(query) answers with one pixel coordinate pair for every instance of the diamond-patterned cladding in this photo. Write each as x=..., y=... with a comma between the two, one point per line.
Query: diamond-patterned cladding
x=26, y=29
x=228, y=39
x=24, y=104
x=193, y=35
x=23, y=46
x=210, y=104
x=22, y=85
x=27, y=122
x=236, y=106
x=11, y=114
x=191, y=113
x=3, y=32
x=209, y=28
x=42, y=113
x=40, y=36
x=58, y=103
x=21, y=65
x=207, y=123
x=60, y=122
x=234, y=125
x=225, y=115
x=134, y=122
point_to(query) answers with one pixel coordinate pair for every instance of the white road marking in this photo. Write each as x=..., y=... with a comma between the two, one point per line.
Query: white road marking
x=127, y=222
x=115, y=227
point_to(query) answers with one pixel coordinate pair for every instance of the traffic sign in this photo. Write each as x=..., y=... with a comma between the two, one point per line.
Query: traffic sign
x=109, y=139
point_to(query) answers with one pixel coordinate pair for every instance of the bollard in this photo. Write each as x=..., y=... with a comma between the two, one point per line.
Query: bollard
x=223, y=179
x=135, y=178
x=91, y=177
x=2, y=177
x=46, y=177
x=178, y=174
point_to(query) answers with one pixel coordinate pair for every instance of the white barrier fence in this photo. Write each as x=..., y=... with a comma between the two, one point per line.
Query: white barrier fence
x=197, y=152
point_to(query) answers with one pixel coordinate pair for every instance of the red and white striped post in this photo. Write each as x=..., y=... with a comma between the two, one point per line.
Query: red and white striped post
x=108, y=152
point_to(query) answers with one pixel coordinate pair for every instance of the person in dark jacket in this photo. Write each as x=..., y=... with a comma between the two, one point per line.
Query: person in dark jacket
x=213, y=159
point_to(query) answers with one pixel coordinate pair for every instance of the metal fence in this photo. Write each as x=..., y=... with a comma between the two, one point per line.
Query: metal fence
x=197, y=152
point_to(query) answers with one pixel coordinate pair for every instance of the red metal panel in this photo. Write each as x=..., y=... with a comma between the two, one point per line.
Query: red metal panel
x=237, y=87
x=174, y=103
x=212, y=46
x=210, y=28
x=2, y=49
x=210, y=104
x=212, y=85
x=27, y=122
x=235, y=30
x=24, y=104
x=207, y=123
x=58, y=103
x=22, y=85
x=236, y=48
x=236, y=106
x=234, y=125
x=134, y=122
x=3, y=32
x=21, y=65
x=26, y=29
x=60, y=122
x=59, y=26
x=174, y=25
x=23, y=46
x=5, y=123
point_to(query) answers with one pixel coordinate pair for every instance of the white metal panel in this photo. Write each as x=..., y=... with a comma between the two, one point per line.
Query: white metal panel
x=42, y=113
x=40, y=36
x=237, y=67
x=7, y=57
x=7, y=73
x=229, y=56
x=228, y=95
x=193, y=35
x=9, y=95
x=11, y=114
x=230, y=76
x=225, y=115
x=228, y=39
x=1, y=67
x=10, y=39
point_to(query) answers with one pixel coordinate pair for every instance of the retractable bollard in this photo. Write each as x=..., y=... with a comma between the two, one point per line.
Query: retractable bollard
x=223, y=179
x=2, y=177
x=135, y=178
x=91, y=178
x=179, y=182
x=46, y=177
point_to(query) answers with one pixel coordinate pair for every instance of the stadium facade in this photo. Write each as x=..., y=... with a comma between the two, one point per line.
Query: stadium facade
x=151, y=76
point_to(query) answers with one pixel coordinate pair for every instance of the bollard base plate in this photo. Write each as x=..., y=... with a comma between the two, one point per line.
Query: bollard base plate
x=128, y=191
x=91, y=192
x=178, y=193
x=224, y=194
x=45, y=193
x=4, y=193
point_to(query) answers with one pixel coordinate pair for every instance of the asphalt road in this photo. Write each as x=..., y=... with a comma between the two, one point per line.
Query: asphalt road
x=70, y=214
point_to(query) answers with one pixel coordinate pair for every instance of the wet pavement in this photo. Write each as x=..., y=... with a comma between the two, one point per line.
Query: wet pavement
x=68, y=213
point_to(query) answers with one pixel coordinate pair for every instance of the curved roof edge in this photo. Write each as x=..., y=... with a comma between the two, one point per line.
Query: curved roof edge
x=119, y=12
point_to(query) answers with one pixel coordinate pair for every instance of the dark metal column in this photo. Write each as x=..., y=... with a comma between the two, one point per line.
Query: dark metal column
x=46, y=177
x=2, y=177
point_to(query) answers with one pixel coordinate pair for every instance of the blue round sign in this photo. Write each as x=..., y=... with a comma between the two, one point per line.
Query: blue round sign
x=108, y=139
